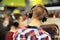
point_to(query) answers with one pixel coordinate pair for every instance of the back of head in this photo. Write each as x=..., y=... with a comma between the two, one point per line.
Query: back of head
x=15, y=24
x=17, y=16
x=38, y=12
x=21, y=17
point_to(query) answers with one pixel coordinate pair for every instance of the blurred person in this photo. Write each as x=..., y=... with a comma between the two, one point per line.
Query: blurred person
x=33, y=31
x=20, y=19
x=5, y=24
x=57, y=15
x=51, y=15
x=17, y=13
x=53, y=20
x=13, y=28
x=27, y=19
x=6, y=20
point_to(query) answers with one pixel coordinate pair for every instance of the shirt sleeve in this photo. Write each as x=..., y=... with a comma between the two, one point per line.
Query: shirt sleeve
x=15, y=35
x=9, y=36
x=43, y=37
x=49, y=38
x=21, y=37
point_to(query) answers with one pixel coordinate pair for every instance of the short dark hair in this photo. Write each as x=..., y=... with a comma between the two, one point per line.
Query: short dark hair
x=15, y=24
x=17, y=16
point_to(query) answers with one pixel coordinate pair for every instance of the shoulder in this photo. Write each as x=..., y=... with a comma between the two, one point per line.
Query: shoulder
x=36, y=31
x=9, y=34
x=24, y=31
x=32, y=33
x=43, y=32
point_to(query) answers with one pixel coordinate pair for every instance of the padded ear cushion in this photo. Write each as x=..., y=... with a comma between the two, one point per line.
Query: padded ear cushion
x=44, y=19
x=30, y=14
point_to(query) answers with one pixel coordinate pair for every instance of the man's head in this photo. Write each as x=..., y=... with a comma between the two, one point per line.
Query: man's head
x=38, y=12
x=15, y=24
x=20, y=17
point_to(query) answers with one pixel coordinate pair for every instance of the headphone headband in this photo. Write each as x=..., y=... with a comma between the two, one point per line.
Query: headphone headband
x=41, y=7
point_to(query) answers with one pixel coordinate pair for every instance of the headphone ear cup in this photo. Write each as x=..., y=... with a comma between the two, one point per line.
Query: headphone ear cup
x=30, y=14
x=44, y=19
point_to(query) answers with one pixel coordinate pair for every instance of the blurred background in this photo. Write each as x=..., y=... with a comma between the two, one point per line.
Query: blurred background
x=10, y=5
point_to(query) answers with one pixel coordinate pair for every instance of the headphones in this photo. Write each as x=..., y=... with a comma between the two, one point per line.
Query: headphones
x=31, y=13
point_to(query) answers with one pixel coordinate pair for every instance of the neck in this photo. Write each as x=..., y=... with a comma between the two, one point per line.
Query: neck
x=22, y=25
x=13, y=30
x=35, y=22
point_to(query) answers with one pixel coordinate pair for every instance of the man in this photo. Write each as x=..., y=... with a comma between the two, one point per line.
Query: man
x=33, y=31
x=20, y=19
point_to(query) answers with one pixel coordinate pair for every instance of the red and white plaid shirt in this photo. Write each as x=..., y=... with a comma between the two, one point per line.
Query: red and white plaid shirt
x=32, y=34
